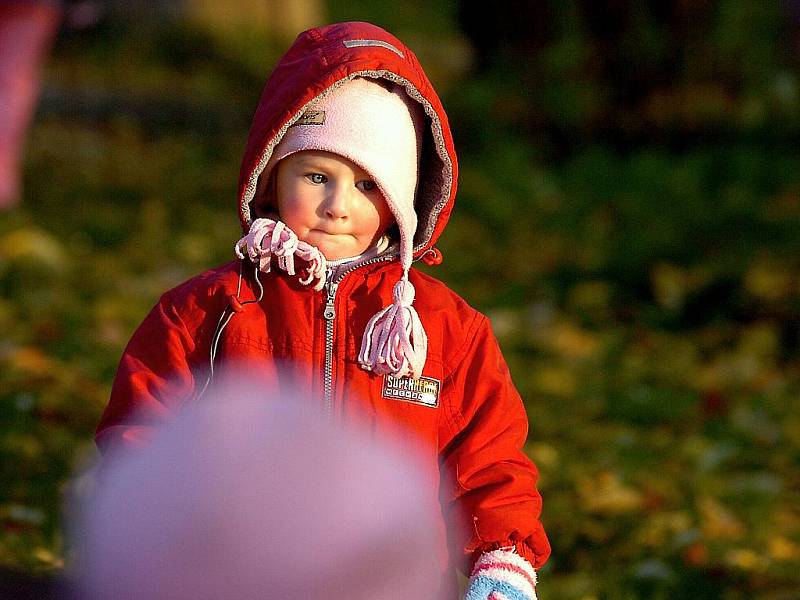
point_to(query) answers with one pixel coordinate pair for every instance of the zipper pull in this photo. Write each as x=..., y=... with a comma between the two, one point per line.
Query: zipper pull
x=330, y=311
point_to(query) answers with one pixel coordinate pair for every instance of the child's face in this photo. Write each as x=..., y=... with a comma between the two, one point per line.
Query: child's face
x=331, y=203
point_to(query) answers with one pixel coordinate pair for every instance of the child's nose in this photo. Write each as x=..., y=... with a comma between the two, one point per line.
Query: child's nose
x=337, y=205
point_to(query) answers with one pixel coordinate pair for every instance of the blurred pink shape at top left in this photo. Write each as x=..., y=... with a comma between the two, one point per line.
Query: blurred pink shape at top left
x=27, y=29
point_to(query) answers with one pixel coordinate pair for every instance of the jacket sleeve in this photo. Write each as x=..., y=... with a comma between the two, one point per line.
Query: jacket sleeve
x=492, y=482
x=153, y=378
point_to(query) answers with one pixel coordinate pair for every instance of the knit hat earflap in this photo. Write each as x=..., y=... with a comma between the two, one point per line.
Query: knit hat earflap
x=378, y=127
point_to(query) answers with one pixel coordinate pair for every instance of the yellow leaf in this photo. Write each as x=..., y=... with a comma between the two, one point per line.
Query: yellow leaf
x=545, y=456
x=572, y=342
x=717, y=522
x=669, y=285
x=782, y=549
x=768, y=280
x=46, y=556
x=31, y=243
x=29, y=360
x=606, y=494
x=558, y=381
x=744, y=559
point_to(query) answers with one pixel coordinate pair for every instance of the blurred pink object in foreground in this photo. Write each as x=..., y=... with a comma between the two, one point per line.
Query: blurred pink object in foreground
x=27, y=29
x=253, y=497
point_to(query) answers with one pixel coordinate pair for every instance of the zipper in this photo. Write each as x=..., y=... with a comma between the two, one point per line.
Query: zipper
x=329, y=314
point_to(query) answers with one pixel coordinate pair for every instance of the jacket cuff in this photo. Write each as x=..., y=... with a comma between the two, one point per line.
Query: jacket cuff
x=478, y=548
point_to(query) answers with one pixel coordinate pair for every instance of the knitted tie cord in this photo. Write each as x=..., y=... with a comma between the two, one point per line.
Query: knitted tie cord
x=394, y=341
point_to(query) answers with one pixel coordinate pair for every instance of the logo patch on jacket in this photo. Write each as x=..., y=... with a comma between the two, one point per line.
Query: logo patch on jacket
x=311, y=117
x=424, y=390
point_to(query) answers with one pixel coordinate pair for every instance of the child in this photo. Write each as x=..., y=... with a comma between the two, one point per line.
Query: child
x=349, y=175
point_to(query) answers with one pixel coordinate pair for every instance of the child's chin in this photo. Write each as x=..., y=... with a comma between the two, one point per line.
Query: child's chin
x=333, y=249
x=337, y=253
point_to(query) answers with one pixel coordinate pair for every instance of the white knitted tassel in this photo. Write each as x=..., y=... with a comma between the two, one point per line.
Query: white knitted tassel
x=283, y=245
x=394, y=341
x=252, y=244
x=268, y=238
x=317, y=265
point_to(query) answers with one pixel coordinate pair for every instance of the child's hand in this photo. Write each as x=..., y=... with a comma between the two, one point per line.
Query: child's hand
x=502, y=575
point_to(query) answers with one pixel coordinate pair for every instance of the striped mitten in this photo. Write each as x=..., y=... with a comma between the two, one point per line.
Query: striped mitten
x=502, y=575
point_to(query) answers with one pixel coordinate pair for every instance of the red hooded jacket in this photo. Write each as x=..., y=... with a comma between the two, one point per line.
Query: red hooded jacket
x=466, y=413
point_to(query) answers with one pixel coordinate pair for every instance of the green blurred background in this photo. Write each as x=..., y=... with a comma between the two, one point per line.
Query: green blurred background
x=628, y=215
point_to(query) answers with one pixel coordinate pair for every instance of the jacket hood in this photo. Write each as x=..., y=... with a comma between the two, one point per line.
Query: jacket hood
x=324, y=58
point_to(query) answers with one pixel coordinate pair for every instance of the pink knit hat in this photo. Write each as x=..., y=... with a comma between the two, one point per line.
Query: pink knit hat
x=378, y=129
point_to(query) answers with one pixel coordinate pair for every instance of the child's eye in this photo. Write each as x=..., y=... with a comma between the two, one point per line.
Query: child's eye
x=366, y=185
x=316, y=178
